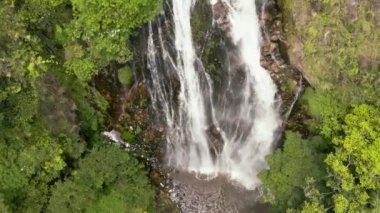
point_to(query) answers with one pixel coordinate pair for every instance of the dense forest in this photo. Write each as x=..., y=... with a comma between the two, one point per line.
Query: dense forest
x=330, y=158
x=55, y=55
x=53, y=157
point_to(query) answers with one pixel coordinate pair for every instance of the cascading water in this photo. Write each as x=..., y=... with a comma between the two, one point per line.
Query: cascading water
x=242, y=115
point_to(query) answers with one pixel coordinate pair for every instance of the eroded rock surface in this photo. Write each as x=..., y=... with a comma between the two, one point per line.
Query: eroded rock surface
x=274, y=52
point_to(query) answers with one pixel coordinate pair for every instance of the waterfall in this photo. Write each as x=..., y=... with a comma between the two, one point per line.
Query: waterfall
x=228, y=133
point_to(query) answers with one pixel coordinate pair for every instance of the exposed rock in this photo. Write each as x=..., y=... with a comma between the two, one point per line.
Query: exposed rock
x=215, y=140
x=110, y=88
x=274, y=56
x=285, y=68
x=220, y=11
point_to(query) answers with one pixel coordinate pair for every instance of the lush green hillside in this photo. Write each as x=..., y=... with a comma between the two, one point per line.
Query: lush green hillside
x=336, y=44
x=53, y=158
x=58, y=57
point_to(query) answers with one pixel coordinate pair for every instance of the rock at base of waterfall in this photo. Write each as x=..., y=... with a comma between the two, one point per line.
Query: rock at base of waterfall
x=215, y=140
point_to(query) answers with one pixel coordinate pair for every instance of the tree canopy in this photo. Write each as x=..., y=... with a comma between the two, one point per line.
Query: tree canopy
x=51, y=118
x=99, y=33
x=107, y=180
x=287, y=178
x=355, y=162
x=340, y=51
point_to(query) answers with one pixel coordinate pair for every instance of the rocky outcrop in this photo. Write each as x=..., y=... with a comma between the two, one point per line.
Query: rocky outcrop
x=274, y=57
x=274, y=51
x=327, y=38
x=215, y=140
x=220, y=14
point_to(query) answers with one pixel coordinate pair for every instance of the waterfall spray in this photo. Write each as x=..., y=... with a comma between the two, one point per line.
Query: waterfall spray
x=244, y=116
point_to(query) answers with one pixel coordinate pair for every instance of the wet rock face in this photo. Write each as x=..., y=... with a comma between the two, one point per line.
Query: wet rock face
x=220, y=57
x=220, y=15
x=274, y=57
x=212, y=37
x=110, y=88
x=215, y=140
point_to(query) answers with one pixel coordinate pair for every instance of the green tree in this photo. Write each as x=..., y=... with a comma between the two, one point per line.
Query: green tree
x=328, y=111
x=3, y=207
x=355, y=163
x=289, y=170
x=108, y=179
x=44, y=40
x=100, y=31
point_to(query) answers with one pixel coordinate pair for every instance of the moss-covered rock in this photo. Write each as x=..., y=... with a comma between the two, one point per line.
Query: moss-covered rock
x=208, y=41
x=336, y=43
x=125, y=75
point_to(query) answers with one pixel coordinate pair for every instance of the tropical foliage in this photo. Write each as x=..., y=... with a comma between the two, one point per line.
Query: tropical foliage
x=341, y=58
x=52, y=156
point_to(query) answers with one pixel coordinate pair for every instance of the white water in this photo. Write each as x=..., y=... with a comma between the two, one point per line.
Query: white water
x=246, y=34
x=194, y=155
x=247, y=125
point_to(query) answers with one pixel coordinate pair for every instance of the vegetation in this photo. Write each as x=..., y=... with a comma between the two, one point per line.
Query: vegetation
x=108, y=180
x=52, y=156
x=54, y=159
x=340, y=42
x=340, y=47
x=99, y=32
x=287, y=177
